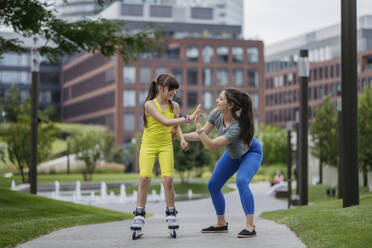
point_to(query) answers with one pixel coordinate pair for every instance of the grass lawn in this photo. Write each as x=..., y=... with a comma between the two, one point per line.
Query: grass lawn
x=24, y=216
x=326, y=223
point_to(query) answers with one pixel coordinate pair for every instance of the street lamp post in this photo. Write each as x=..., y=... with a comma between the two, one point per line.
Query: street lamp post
x=34, y=119
x=340, y=158
x=297, y=145
x=68, y=154
x=303, y=73
x=289, y=163
x=349, y=92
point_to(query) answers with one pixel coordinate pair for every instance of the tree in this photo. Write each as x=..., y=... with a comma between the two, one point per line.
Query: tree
x=37, y=18
x=111, y=151
x=365, y=133
x=323, y=133
x=88, y=148
x=274, y=144
x=12, y=104
x=18, y=140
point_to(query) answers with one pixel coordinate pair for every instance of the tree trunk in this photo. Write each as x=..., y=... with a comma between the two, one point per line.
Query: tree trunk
x=22, y=174
x=320, y=171
x=365, y=176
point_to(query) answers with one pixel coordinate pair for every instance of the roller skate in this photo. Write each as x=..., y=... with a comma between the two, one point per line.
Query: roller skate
x=172, y=222
x=138, y=223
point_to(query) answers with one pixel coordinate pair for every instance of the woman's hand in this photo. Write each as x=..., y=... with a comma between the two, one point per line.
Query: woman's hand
x=185, y=145
x=197, y=110
x=197, y=121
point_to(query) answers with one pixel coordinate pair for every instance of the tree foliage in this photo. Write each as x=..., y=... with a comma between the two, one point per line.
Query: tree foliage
x=323, y=133
x=87, y=147
x=365, y=132
x=274, y=144
x=196, y=157
x=12, y=104
x=18, y=139
x=34, y=18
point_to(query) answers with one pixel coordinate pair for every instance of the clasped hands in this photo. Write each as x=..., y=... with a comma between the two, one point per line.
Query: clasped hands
x=195, y=117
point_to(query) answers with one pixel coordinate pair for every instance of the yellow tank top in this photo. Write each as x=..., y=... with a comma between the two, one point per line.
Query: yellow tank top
x=155, y=132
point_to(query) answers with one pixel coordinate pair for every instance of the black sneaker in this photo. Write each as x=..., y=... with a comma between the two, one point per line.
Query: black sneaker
x=247, y=234
x=212, y=229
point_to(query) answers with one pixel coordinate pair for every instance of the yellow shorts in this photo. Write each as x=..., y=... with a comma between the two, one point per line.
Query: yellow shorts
x=147, y=156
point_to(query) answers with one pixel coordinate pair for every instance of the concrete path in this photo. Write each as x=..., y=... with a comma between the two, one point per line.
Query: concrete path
x=193, y=215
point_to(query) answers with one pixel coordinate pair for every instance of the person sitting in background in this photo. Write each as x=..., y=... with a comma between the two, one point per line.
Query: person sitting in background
x=278, y=178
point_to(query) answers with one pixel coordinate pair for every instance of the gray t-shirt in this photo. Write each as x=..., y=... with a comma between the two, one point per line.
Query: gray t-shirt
x=237, y=147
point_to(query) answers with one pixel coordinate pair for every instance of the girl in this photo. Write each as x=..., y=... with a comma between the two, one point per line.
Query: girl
x=233, y=117
x=160, y=115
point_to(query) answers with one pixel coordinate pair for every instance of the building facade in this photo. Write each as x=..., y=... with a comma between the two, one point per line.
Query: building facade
x=15, y=69
x=282, y=87
x=109, y=92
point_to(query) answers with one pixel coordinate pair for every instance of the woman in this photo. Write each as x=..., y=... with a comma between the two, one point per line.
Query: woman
x=233, y=118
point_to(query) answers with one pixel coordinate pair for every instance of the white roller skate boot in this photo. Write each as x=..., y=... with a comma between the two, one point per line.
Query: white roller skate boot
x=138, y=223
x=172, y=222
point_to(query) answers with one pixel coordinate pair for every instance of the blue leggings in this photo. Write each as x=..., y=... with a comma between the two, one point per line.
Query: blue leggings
x=247, y=166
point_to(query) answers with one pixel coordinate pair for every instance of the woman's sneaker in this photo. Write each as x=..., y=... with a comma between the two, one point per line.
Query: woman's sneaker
x=247, y=234
x=218, y=229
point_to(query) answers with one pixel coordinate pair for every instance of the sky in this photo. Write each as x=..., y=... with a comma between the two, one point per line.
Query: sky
x=278, y=20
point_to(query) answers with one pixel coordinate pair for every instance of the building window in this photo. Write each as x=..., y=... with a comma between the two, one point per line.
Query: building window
x=238, y=77
x=315, y=93
x=160, y=70
x=179, y=98
x=320, y=73
x=45, y=97
x=254, y=99
x=238, y=54
x=15, y=77
x=223, y=54
x=202, y=13
x=207, y=76
x=338, y=70
x=253, y=79
x=132, y=9
x=177, y=73
x=192, y=76
x=129, y=121
x=320, y=91
x=252, y=55
x=192, y=99
x=207, y=99
x=160, y=11
x=129, y=98
x=145, y=75
x=326, y=72
x=14, y=59
x=222, y=77
x=208, y=53
x=172, y=51
x=192, y=53
x=142, y=97
x=331, y=71
x=129, y=74
x=315, y=74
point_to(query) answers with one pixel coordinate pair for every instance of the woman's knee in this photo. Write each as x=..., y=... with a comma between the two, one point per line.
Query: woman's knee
x=213, y=186
x=241, y=183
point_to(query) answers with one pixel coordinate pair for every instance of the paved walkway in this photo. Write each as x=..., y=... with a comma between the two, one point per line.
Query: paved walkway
x=192, y=216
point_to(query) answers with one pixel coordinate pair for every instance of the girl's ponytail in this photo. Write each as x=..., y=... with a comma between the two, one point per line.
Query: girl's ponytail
x=150, y=95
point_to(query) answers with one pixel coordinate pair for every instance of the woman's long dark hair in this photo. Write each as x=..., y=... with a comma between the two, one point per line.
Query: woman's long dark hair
x=164, y=80
x=242, y=111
